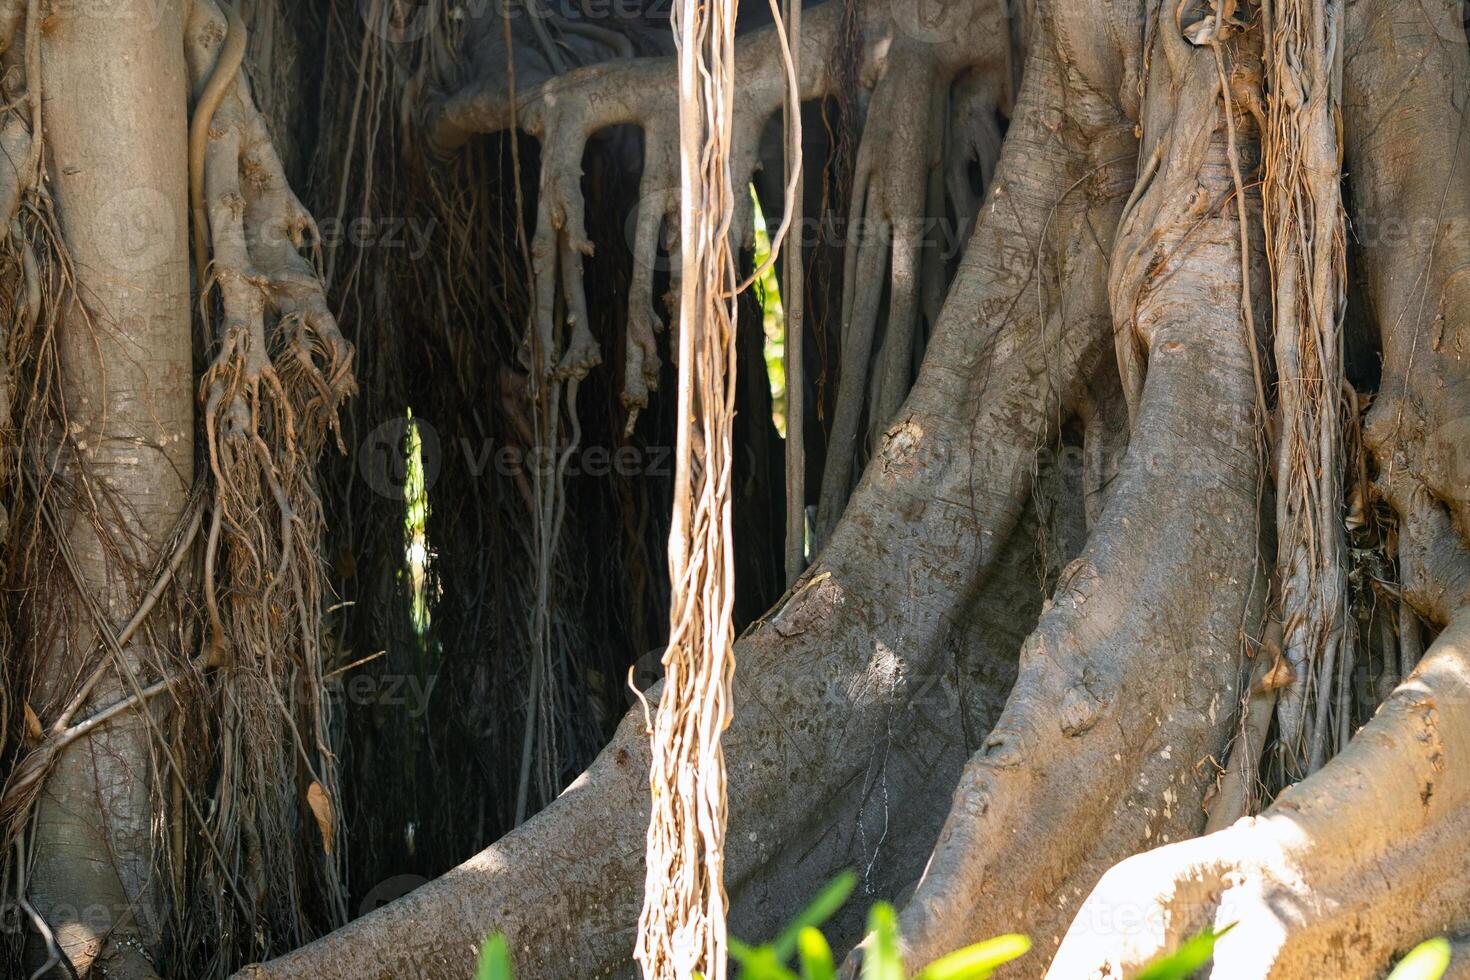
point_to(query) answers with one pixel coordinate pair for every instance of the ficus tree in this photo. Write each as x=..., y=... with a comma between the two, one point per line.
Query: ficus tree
x=1135, y=429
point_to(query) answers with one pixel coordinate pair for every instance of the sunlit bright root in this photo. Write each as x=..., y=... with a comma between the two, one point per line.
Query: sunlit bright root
x=1347, y=871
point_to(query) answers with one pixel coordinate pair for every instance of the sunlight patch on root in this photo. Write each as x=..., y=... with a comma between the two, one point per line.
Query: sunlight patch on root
x=1347, y=871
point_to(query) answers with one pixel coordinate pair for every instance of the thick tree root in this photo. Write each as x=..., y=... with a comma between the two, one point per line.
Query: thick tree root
x=1346, y=871
x=1113, y=733
x=1407, y=88
x=1089, y=763
x=280, y=370
x=1368, y=857
x=110, y=437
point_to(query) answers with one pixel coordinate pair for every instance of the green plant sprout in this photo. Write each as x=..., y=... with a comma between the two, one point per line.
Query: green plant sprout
x=883, y=959
x=1429, y=960
x=803, y=939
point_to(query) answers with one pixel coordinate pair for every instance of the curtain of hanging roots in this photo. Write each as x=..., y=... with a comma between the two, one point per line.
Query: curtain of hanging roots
x=1306, y=245
x=682, y=928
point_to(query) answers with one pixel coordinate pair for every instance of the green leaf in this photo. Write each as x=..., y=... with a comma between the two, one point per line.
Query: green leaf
x=1427, y=961
x=822, y=908
x=881, y=957
x=1195, y=953
x=978, y=961
x=816, y=956
x=759, y=963
x=494, y=961
x=740, y=952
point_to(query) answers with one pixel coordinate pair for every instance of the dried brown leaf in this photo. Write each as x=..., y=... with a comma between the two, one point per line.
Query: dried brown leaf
x=321, y=808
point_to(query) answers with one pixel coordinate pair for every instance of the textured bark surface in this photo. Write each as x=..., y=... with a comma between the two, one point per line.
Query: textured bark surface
x=1088, y=765
x=125, y=345
x=1346, y=871
x=1359, y=863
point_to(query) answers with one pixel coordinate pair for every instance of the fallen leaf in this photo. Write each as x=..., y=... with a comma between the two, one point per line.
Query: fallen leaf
x=321, y=808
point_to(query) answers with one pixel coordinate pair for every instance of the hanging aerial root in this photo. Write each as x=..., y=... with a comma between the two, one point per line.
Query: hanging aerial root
x=682, y=929
x=279, y=374
x=883, y=253
x=569, y=108
x=1306, y=232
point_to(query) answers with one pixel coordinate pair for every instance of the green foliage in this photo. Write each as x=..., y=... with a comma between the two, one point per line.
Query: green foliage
x=768, y=291
x=494, y=960
x=1193, y=955
x=882, y=956
x=816, y=955
x=882, y=950
x=1427, y=961
x=415, y=524
x=979, y=960
x=821, y=908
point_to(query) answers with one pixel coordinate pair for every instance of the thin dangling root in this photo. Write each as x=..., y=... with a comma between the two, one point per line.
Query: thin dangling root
x=1306, y=231
x=231, y=55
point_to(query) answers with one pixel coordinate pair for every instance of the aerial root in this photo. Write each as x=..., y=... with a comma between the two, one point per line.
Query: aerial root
x=884, y=250
x=280, y=371
x=657, y=209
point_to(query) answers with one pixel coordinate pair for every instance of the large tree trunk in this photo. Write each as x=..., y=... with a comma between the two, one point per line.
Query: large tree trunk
x=1369, y=856
x=128, y=453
